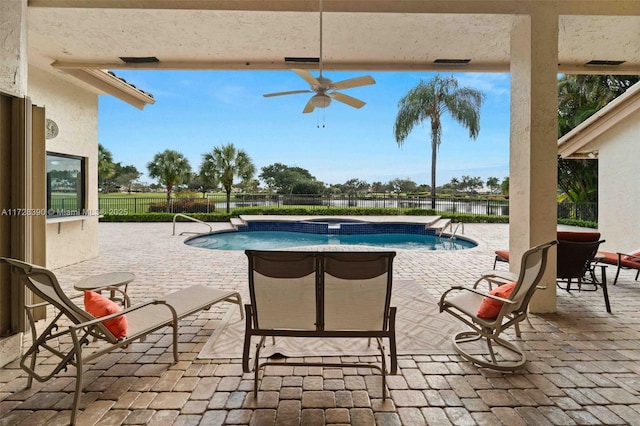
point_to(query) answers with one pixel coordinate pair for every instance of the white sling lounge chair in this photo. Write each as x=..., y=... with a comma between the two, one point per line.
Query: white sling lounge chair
x=470, y=305
x=73, y=328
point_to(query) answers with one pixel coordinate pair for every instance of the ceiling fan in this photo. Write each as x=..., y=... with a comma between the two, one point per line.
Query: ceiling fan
x=325, y=90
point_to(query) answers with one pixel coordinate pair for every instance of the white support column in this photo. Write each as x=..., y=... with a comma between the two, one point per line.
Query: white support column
x=533, y=145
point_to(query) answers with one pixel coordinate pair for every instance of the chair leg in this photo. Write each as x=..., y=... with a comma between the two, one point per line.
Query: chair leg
x=175, y=342
x=237, y=299
x=493, y=362
x=605, y=291
x=383, y=369
x=566, y=281
x=606, y=297
x=256, y=366
x=78, y=393
x=77, y=343
x=615, y=280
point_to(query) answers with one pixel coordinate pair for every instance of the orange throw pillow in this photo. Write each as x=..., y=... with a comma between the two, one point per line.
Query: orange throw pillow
x=490, y=308
x=100, y=306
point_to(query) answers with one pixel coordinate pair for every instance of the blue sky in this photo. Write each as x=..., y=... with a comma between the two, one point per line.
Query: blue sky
x=196, y=111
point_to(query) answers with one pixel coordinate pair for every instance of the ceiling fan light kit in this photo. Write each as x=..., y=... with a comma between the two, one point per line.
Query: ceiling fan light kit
x=320, y=100
x=325, y=90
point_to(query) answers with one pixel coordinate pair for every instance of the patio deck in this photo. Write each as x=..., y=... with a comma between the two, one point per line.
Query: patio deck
x=583, y=363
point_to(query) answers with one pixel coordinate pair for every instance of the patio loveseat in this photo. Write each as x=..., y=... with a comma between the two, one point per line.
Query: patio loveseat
x=305, y=294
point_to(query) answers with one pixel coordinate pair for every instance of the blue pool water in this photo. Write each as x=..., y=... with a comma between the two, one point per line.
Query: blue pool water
x=273, y=240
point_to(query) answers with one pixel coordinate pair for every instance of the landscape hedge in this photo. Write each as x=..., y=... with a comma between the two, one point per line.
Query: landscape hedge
x=323, y=211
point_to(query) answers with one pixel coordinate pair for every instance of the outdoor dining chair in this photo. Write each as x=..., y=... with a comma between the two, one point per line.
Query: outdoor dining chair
x=575, y=264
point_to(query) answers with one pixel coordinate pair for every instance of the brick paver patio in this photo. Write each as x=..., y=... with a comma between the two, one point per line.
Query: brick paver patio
x=583, y=363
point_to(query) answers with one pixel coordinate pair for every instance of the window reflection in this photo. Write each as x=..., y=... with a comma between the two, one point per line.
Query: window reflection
x=65, y=185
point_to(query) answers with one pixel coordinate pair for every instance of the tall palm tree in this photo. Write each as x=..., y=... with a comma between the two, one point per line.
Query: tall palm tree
x=493, y=183
x=428, y=101
x=170, y=168
x=106, y=168
x=225, y=163
x=455, y=184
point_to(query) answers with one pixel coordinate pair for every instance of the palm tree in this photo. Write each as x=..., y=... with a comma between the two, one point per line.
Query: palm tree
x=579, y=97
x=106, y=168
x=225, y=163
x=170, y=168
x=428, y=101
x=455, y=184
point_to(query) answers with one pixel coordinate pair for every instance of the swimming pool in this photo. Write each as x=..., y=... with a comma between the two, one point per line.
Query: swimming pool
x=282, y=235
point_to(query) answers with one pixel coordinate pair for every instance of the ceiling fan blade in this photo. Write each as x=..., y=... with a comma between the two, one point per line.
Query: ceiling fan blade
x=308, y=107
x=293, y=92
x=346, y=99
x=354, y=82
x=306, y=75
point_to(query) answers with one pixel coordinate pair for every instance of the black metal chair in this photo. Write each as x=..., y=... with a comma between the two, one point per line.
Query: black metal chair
x=576, y=264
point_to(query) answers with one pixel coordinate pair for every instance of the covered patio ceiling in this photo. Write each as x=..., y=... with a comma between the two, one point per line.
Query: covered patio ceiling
x=358, y=35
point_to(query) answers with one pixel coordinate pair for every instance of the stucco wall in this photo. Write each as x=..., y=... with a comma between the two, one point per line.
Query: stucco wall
x=75, y=110
x=618, y=190
x=13, y=49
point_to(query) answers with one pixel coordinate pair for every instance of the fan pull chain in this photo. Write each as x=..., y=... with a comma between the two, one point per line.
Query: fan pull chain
x=323, y=119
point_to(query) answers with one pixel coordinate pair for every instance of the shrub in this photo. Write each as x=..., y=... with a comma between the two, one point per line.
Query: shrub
x=184, y=205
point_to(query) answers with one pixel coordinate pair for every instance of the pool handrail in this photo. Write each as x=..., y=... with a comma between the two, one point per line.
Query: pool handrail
x=456, y=230
x=190, y=218
x=450, y=225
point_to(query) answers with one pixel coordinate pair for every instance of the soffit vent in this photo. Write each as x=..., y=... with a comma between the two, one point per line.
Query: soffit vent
x=452, y=61
x=604, y=62
x=139, y=59
x=295, y=59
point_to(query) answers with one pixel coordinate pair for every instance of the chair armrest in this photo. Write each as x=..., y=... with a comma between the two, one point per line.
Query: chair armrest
x=501, y=276
x=473, y=290
x=36, y=305
x=496, y=277
x=457, y=287
x=490, y=296
x=630, y=257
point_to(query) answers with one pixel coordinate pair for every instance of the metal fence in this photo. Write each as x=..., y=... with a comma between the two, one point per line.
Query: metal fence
x=218, y=203
x=581, y=211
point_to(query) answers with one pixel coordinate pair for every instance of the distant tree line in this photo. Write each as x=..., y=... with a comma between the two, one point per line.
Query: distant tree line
x=228, y=169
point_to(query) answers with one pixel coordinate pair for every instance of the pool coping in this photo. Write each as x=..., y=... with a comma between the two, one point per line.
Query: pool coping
x=404, y=219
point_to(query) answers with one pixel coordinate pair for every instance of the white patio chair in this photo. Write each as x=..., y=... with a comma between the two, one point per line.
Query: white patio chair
x=465, y=303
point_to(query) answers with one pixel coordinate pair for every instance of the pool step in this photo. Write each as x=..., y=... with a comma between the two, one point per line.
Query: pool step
x=439, y=225
x=237, y=222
